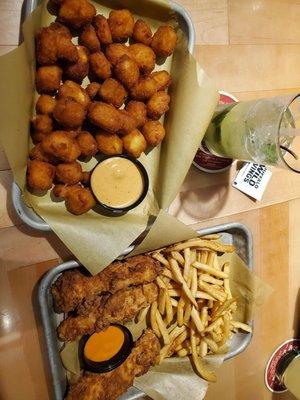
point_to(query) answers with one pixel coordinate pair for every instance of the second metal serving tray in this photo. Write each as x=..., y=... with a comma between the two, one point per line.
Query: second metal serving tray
x=232, y=233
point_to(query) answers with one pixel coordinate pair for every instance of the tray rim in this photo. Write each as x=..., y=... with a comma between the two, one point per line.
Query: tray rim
x=50, y=335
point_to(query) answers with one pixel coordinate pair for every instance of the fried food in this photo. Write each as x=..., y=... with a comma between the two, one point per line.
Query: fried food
x=42, y=123
x=61, y=145
x=100, y=66
x=112, y=384
x=157, y=105
x=106, y=116
x=89, y=38
x=98, y=312
x=40, y=175
x=69, y=173
x=164, y=41
x=134, y=143
x=48, y=79
x=142, y=32
x=115, y=51
x=92, y=89
x=69, y=113
x=37, y=153
x=112, y=92
x=73, y=133
x=79, y=200
x=74, y=91
x=121, y=24
x=144, y=56
x=127, y=71
x=60, y=191
x=86, y=178
x=139, y=111
x=154, y=132
x=102, y=29
x=109, y=143
x=76, y=13
x=54, y=43
x=144, y=88
x=72, y=287
x=78, y=71
x=45, y=104
x=87, y=144
x=162, y=79
x=128, y=122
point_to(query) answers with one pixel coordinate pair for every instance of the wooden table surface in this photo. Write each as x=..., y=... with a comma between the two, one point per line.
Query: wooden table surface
x=252, y=49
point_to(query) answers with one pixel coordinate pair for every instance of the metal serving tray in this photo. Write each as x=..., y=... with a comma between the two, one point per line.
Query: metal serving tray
x=232, y=233
x=27, y=214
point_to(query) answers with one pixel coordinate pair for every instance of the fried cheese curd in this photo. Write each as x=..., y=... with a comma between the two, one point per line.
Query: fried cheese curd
x=79, y=200
x=87, y=144
x=86, y=178
x=102, y=29
x=162, y=78
x=109, y=143
x=41, y=126
x=104, y=115
x=78, y=71
x=127, y=71
x=142, y=32
x=75, y=91
x=100, y=66
x=89, y=39
x=112, y=92
x=54, y=43
x=115, y=51
x=45, y=104
x=62, y=146
x=144, y=88
x=48, y=79
x=154, y=132
x=40, y=175
x=157, y=105
x=37, y=153
x=121, y=25
x=69, y=173
x=134, y=143
x=92, y=89
x=144, y=56
x=76, y=13
x=164, y=41
x=69, y=113
x=128, y=122
x=138, y=110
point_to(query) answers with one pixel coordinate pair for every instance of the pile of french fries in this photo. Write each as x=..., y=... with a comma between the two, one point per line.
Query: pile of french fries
x=194, y=311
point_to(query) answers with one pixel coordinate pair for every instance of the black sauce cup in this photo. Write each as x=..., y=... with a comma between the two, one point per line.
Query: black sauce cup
x=103, y=208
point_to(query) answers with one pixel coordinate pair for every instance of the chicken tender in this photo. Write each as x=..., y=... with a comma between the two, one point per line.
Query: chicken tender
x=74, y=91
x=45, y=104
x=48, y=79
x=79, y=200
x=112, y=92
x=69, y=113
x=78, y=71
x=54, y=43
x=127, y=71
x=109, y=143
x=40, y=175
x=102, y=29
x=121, y=24
x=144, y=88
x=106, y=116
x=69, y=173
x=144, y=56
x=61, y=145
x=87, y=144
x=134, y=143
x=154, y=132
x=76, y=13
x=37, y=153
x=157, y=105
x=164, y=41
x=128, y=122
x=115, y=51
x=139, y=111
x=89, y=39
x=92, y=89
x=142, y=32
x=100, y=66
x=162, y=79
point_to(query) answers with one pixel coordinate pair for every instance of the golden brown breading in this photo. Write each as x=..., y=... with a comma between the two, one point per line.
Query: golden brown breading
x=37, y=153
x=60, y=191
x=109, y=143
x=144, y=56
x=154, y=132
x=106, y=116
x=121, y=24
x=111, y=385
x=115, y=51
x=48, y=79
x=100, y=66
x=76, y=13
x=164, y=41
x=162, y=79
x=45, y=104
x=142, y=32
x=86, y=178
x=61, y=145
x=73, y=133
x=134, y=143
x=41, y=123
x=78, y=71
x=112, y=92
x=139, y=111
x=87, y=144
x=72, y=287
x=144, y=88
x=127, y=71
x=79, y=200
x=128, y=122
x=69, y=173
x=40, y=175
x=89, y=39
x=69, y=113
x=102, y=29
x=75, y=91
x=158, y=104
x=97, y=312
x=92, y=89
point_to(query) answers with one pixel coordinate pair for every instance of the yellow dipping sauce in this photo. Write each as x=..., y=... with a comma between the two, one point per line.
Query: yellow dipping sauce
x=117, y=182
x=102, y=346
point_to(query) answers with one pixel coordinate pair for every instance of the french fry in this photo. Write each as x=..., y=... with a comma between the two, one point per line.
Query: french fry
x=202, y=243
x=203, y=348
x=217, y=294
x=204, y=316
x=199, y=294
x=180, y=311
x=226, y=280
x=187, y=262
x=162, y=328
x=211, y=279
x=183, y=352
x=178, y=257
x=211, y=327
x=241, y=325
x=172, y=327
x=204, y=255
x=159, y=257
x=217, y=337
x=142, y=314
x=223, y=308
x=162, y=301
x=216, y=263
x=169, y=309
x=226, y=330
x=210, y=258
x=166, y=272
x=212, y=236
x=211, y=343
x=210, y=270
x=153, y=322
x=174, y=302
x=176, y=271
x=197, y=320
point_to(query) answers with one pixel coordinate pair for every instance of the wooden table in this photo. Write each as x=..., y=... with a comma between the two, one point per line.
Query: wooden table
x=252, y=49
